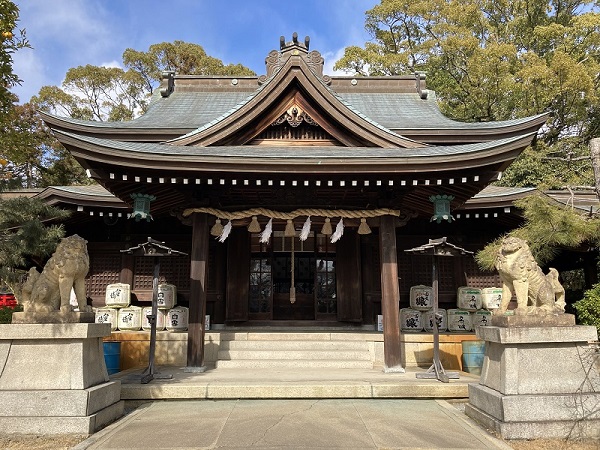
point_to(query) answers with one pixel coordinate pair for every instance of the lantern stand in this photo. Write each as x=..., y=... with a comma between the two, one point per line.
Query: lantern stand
x=156, y=250
x=436, y=248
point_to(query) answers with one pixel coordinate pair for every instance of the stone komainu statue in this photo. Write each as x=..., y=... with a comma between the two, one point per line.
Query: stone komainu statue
x=536, y=293
x=65, y=270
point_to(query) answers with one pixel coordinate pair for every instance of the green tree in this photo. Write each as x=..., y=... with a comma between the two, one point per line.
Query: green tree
x=32, y=157
x=497, y=60
x=114, y=94
x=27, y=236
x=95, y=93
x=548, y=228
x=11, y=40
x=182, y=57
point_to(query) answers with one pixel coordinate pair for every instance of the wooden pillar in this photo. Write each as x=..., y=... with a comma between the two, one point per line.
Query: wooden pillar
x=198, y=270
x=390, y=295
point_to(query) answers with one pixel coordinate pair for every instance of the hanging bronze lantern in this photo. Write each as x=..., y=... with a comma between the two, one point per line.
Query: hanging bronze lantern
x=441, y=208
x=141, y=207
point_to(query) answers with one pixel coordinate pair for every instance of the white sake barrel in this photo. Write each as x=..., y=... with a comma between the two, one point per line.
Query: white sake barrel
x=411, y=320
x=468, y=298
x=481, y=318
x=421, y=297
x=177, y=319
x=161, y=316
x=130, y=318
x=442, y=322
x=167, y=296
x=118, y=295
x=107, y=315
x=491, y=298
x=459, y=320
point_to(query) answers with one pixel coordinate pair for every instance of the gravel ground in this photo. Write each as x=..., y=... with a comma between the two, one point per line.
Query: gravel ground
x=29, y=442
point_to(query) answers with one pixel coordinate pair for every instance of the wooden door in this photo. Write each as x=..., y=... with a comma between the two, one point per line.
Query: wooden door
x=304, y=281
x=348, y=276
x=238, y=275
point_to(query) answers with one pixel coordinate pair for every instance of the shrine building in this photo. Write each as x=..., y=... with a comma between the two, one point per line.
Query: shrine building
x=293, y=193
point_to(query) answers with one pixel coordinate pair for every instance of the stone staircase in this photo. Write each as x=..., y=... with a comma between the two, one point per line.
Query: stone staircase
x=295, y=350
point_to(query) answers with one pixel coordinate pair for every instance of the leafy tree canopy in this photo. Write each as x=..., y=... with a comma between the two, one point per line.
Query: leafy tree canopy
x=115, y=94
x=25, y=236
x=178, y=56
x=10, y=41
x=548, y=227
x=498, y=60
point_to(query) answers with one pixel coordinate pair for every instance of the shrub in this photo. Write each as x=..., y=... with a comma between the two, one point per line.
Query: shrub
x=588, y=308
x=6, y=313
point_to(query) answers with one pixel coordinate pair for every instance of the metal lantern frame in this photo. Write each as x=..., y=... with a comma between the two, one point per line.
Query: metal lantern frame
x=437, y=248
x=157, y=250
x=441, y=208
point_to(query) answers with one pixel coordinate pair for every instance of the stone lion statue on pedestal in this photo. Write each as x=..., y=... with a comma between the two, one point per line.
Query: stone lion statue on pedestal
x=536, y=293
x=51, y=290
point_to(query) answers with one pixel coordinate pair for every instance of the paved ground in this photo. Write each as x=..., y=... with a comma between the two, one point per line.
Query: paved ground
x=294, y=424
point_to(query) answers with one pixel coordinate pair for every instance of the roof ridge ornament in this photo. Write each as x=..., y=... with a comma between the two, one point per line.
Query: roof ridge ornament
x=168, y=83
x=276, y=59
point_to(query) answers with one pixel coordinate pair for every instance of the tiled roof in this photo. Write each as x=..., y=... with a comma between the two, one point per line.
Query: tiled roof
x=390, y=111
x=502, y=191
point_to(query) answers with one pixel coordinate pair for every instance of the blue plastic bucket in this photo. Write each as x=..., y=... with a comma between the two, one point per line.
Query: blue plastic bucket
x=472, y=356
x=112, y=357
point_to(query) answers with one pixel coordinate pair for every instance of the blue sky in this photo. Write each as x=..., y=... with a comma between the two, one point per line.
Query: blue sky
x=71, y=33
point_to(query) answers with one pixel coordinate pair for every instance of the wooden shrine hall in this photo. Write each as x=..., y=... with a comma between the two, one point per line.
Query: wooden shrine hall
x=294, y=193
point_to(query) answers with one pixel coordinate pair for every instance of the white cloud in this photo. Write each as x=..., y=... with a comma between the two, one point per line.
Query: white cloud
x=28, y=66
x=112, y=64
x=330, y=59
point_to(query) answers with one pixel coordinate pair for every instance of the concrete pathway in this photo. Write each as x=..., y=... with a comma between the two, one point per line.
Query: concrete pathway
x=294, y=424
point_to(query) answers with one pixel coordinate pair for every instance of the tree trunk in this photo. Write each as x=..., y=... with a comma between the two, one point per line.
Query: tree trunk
x=595, y=154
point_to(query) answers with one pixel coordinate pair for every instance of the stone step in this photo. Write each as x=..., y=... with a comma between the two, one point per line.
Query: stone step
x=295, y=345
x=290, y=364
x=294, y=355
x=297, y=336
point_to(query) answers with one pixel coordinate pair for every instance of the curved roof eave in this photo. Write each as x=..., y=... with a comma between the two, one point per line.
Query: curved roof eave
x=96, y=128
x=289, y=159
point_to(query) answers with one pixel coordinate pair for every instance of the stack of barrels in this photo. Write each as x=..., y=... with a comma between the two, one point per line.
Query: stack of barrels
x=473, y=309
x=124, y=317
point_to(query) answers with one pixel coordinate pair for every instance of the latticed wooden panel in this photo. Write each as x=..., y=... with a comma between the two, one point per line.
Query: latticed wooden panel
x=447, y=274
x=404, y=272
x=104, y=270
x=479, y=279
x=302, y=132
x=173, y=270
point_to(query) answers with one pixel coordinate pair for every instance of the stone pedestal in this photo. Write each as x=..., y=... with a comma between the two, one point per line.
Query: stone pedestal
x=538, y=382
x=53, y=379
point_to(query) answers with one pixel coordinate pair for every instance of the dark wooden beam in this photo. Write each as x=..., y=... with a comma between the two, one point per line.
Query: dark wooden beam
x=197, y=312
x=390, y=296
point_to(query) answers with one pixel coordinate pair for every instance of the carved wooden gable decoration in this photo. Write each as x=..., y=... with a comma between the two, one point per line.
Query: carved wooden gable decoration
x=295, y=107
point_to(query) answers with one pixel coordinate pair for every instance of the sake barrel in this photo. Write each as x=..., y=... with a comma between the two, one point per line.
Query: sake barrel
x=421, y=297
x=481, y=318
x=442, y=320
x=468, y=298
x=411, y=320
x=459, y=320
x=491, y=298
x=177, y=319
x=161, y=315
x=107, y=315
x=166, y=296
x=130, y=318
x=118, y=295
